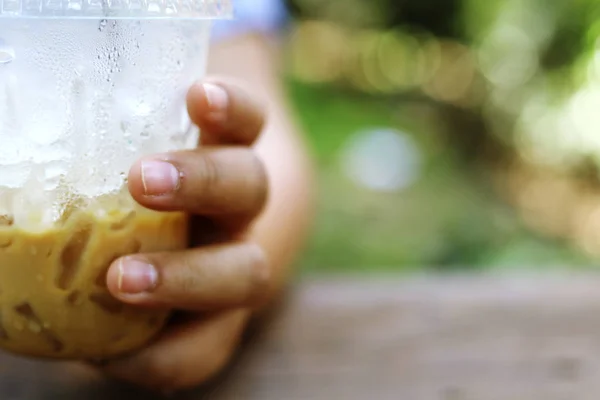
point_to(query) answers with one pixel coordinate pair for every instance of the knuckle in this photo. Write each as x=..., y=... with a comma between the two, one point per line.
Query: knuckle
x=180, y=277
x=255, y=124
x=188, y=276
x=254, y=103
x=209, y=173
x=259, y=271
x=260, y=180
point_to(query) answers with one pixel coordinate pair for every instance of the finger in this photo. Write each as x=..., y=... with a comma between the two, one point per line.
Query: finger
x=225, y=112
x=207, y=181
x=185, y=356
x=208, y=278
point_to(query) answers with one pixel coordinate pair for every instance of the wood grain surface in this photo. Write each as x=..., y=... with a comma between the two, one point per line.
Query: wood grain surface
x=448, y=338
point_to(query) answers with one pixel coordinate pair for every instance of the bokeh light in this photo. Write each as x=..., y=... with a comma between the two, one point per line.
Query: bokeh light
x=514, y=88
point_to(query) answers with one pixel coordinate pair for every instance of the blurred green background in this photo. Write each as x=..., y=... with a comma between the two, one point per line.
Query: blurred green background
x=450, y=134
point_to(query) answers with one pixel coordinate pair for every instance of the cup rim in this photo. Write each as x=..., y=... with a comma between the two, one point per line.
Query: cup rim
x=117, y=9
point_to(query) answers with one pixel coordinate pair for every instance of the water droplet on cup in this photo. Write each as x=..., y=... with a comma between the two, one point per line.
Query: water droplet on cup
x=102, y=25
x=7, y=53
x=125, y=127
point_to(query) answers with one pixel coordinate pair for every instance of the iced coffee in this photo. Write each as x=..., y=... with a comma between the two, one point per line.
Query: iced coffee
x=53, y=283
x=86, y=89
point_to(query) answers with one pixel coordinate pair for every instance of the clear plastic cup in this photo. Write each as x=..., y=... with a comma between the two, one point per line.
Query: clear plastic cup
x=86, y=88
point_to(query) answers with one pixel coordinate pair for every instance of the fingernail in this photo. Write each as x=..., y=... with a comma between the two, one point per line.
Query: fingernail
x=218, y=102
x=159, y=178
x=136, y=276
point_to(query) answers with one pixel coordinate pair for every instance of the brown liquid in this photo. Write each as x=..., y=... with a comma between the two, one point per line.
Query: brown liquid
x=53, y=296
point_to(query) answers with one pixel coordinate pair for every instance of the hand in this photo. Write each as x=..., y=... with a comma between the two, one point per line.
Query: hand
x=218, y=281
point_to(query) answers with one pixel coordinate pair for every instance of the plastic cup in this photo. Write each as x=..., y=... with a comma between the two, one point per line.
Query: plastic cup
x=86, y=88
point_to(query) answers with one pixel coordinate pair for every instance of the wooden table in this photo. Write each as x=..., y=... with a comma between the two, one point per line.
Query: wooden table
x=452, y=338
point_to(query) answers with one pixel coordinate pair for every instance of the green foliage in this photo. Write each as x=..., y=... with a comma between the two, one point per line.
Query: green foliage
x=450, y=218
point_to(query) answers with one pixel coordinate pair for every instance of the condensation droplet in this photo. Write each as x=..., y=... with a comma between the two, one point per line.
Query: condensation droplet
x=102, y=25
x=7, y=53
x=125, y=126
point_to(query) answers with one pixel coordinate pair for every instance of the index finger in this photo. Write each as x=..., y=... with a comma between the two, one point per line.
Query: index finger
x=225, y=112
